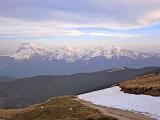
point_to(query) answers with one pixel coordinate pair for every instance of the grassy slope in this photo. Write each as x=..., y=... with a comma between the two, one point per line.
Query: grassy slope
x=28, y=91
x=61, y=108
x=147, y=84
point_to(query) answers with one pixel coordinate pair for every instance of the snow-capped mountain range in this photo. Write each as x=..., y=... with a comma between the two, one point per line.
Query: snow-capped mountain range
x=31, y=59
x=28, y=50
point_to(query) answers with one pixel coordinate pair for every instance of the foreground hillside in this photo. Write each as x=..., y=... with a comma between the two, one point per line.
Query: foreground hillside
x=107, y=104
x=62, y=108
x=28, y=91
x=140, y=95
x=114, y=98
x=69, y=108
x=147, y=84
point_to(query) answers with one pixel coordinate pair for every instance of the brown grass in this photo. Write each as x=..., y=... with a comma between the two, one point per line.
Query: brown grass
x=61, y=108
x=147, y=84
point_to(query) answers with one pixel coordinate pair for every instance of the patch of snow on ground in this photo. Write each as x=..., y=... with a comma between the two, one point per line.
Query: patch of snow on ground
x=115, y=98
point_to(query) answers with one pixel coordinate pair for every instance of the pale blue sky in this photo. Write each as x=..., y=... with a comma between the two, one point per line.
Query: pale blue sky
x=133, y=24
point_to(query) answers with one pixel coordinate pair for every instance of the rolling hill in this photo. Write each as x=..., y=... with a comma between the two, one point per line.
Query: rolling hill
x=61, y=108
x=27, y=91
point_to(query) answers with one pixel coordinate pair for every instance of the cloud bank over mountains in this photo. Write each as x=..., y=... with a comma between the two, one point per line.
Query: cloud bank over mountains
x=79, y=20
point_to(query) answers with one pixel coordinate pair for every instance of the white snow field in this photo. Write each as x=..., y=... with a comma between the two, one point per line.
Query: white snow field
x=115, y=98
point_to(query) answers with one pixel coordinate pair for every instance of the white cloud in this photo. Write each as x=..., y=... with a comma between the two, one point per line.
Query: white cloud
x=152, y=17
x=123, y=14
x=16, y=27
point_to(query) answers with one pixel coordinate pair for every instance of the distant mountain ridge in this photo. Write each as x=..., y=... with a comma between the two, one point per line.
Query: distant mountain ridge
x=6, y=78
x=31, y=60
x=28, y=50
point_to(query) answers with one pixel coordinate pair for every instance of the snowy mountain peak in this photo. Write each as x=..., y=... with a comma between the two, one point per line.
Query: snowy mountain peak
x=69, y=54
x=27, y=50
x=67, y=48
x=31, y=46
x=27, y=45
x=110, y=51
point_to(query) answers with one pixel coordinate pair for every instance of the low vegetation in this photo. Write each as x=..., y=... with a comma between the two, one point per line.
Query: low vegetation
x=147, y=84
x=61, y=108
x=24, y=92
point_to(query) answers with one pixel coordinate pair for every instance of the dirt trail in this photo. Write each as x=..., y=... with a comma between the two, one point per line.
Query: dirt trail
x=117, y=113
